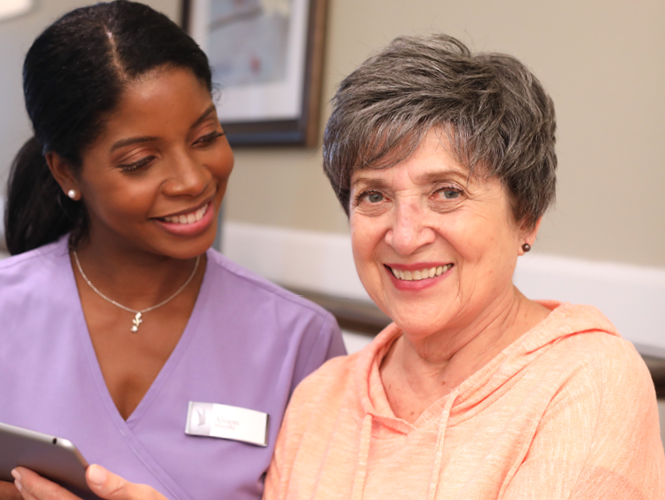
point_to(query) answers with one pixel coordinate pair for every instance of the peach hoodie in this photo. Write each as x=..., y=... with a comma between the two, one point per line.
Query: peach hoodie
x=567, y=411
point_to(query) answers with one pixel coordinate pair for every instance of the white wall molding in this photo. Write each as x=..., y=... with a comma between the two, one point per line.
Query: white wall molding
x=305, y=259
x=633, y=297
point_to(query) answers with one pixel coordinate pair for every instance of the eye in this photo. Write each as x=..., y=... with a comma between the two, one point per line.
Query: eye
x=208, y=138
x=448, y=193
x=372, y=197
x=136, y=165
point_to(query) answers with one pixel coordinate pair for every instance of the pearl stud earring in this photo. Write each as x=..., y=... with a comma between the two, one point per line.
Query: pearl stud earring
x=72, y=194
x=526, y=247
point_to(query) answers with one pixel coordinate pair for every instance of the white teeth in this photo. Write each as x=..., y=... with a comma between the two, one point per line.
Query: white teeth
x=420, y=275
x=189, y=218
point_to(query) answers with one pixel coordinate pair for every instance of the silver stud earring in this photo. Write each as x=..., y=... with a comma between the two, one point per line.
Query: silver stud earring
x=72, y=194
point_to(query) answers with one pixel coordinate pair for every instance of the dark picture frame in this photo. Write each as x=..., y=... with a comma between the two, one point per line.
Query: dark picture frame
x=300, y=127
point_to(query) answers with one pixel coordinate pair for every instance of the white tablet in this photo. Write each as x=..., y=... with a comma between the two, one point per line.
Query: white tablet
x=52, y=457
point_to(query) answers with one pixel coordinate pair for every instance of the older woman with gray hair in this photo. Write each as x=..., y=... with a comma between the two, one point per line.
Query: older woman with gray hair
x=444, y=162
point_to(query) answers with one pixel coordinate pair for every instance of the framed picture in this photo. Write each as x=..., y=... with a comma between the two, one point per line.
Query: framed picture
x=266, y=57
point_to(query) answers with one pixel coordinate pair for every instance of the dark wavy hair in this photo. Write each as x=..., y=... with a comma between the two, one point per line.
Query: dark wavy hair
x=73, y=77
x=493, y=110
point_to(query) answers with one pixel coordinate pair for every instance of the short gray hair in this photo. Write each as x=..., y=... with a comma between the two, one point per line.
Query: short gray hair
x=494, y=111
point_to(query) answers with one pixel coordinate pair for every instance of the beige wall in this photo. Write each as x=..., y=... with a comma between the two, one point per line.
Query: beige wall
x=16, y=36
x=602, y=62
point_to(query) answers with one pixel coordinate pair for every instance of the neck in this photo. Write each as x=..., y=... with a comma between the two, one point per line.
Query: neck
x=135, y=279
x=433, y=365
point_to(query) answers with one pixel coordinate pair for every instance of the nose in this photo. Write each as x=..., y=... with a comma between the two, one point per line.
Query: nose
x=187, y=176
x=409, y=230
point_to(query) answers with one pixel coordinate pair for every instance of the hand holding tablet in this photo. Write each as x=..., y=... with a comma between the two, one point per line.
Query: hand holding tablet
x=52, y=457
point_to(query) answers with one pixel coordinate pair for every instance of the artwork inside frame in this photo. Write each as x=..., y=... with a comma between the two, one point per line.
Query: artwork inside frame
x=266, y=57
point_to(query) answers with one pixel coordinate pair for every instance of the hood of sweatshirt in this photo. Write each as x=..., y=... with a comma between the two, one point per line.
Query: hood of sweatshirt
x=472, y=395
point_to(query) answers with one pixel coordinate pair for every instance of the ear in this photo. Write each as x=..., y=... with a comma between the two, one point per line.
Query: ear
x=63, y=175
x=529, y=236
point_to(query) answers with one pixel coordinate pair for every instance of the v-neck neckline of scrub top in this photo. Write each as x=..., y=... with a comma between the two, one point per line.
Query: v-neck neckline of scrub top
x=163, y=375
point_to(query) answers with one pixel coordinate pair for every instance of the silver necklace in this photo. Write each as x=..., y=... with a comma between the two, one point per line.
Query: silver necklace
x=138, y=314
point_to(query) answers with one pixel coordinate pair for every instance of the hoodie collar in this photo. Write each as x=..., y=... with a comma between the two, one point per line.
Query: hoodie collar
x=564, y=320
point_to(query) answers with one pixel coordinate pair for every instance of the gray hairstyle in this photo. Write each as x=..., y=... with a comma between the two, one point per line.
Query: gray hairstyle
x=493, y=110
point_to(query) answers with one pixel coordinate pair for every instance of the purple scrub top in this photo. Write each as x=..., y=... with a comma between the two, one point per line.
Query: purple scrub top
x=247, y=343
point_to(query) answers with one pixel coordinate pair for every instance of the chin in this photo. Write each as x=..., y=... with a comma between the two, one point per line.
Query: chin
x=417, y=321
x=418, y=329
x=187, y=249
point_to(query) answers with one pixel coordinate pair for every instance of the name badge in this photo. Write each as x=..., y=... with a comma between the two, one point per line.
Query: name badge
x=227, y=422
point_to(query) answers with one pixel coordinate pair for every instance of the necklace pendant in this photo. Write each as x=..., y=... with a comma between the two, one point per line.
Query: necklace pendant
x=136, y=322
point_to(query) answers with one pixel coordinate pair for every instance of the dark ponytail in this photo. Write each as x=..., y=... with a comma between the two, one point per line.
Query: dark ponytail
x=37, y=211
x=73, y=78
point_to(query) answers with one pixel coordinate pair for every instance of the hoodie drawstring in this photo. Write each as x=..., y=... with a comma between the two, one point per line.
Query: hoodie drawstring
x=363, y=455
x=438, y=457
x=363, y=452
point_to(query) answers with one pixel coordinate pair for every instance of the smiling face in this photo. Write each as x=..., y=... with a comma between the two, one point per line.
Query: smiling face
x=435, y=249
x=154, y=180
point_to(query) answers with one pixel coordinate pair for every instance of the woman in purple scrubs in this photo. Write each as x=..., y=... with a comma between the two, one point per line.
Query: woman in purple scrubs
x=122, y=330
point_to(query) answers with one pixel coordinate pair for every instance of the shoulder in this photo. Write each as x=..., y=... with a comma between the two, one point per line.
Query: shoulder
x=38, y=265
x=36, y=288
x=227, y=274
x=581, y=335
x=326, y=390
x=607, y=394
x=290, y=328
x=585, y=336
x=610, y=361
x=576, y=353
x=598, y=366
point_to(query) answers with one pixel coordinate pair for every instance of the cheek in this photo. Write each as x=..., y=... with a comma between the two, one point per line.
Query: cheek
x=363, y=237
x=358, y=244
x=495, y=250
x=223, y=159
x=119, y=199
x=363, y=245
x=221, y=171
x=366, y=242
x=486, y=236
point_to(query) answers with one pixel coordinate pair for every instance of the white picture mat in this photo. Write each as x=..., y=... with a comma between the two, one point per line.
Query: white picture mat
x=262, y=102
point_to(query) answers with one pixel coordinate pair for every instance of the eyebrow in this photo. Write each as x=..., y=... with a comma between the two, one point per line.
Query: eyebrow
x=434, y=177
x=368, y=181
x=428, y=178
x=148, y=138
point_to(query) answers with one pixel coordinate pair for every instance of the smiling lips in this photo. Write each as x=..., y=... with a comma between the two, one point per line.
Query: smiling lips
x=188, y=218
x=422, y=274
x=190, y=224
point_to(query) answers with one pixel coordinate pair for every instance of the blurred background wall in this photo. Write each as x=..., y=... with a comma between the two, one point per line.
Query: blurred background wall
x=601, y=62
